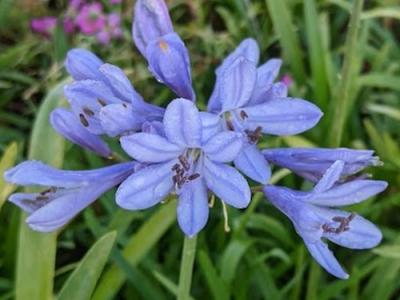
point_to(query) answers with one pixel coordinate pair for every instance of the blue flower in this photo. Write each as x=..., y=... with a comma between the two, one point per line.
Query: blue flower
x=102, y=100
x=314, y=218
x=312, y=163
x=248, y=101
x=182, y=161
x=66, y=193
x=164, y=50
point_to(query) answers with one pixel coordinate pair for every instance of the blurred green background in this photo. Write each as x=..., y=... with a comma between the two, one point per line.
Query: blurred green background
x=261, y=257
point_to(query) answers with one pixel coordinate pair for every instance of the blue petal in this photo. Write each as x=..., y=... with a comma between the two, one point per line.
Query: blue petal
x=362, y=234
x=117, y=119
x=284, y=116
x=224, y=146
x=248, y=48
x=210, y=124
x=120, y=85
x=252, y=163
x=182, y=123
x=266, y=74
x=169, y=62
x=312, y=163
x=153, y=127
x=146, y=188
x=59, y=206
x=82, y=64
x=33, y=172
x=348, y=193
x=87, y=97
x=66, y=124
x=192, y=207
x=237, y=84
x=330, y=177
x=147, y=147
x=326, y=259
x=150, y=22
x=227, y=183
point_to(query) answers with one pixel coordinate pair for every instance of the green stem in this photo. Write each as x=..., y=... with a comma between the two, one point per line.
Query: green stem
x=185, y=277
x=342, y=101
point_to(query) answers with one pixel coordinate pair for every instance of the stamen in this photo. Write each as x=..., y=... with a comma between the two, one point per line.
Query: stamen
x=243, y=115
x=124, y=105
x=101, y=102
x=163, y=46
x=88, y=111
x=184, y=162
x=212, y=201
x=193, y=176
x=226, y=217
x=83, y=120
x=255, y=135
x=42, y=198
x=343, y=224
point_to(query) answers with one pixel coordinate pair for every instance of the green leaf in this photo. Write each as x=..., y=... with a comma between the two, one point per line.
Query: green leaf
x=282, y=21
x=215, y=283
x=316, y=53
x=6, y=162
x=389, y=251
x=232, y=257
x=136, y=249
x=36, y=251
x=81, y=283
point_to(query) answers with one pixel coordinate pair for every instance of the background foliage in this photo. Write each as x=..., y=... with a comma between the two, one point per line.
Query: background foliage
x=261, y=257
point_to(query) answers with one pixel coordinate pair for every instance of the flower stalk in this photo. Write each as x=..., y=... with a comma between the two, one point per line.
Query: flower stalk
x=185, y=277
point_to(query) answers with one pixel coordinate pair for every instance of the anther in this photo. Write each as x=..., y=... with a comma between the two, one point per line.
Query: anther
x=193, y=176
x=175, y=167
x=124, y=105
x=88, y=111
x=42, y=198
x=343, y=224
x=101, y=102
x=184, y=162
x=83, y=120
x=243, y=115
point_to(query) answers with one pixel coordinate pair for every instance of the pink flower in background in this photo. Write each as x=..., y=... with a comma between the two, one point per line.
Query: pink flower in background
x=287, y=80
x=44, y=26
x=91, y=19
x=111, y=30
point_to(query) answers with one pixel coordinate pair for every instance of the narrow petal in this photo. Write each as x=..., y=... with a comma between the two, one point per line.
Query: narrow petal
x=237, y=84
x=224, y=146
x=210, y=125
x=330, y=177
x=168, y=60
x=66, y=124
x=227, y=184
x=248, y=48
x=266, y=74
x=120, y=85
x=147, y=147
x=283, y=116
x=82, y=64
x=150, y=22
x=349, y=193
x=252, y=163
x=117, y=119
x=312, y=163
x=146, y=188
x=182, y=123
x=34, y=172
x=87, y=97
x=326, y=259
x=361, y=233
x=192, y=207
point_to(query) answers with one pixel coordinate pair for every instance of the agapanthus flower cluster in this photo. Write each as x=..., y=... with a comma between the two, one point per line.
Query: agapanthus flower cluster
x=88, y=18
x=194, y=154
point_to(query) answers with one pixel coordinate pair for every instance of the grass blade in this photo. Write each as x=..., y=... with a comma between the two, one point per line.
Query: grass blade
x=7, y=161
x=282, y=21
x=136, y=248
x=81, y=283
x=341, y=102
